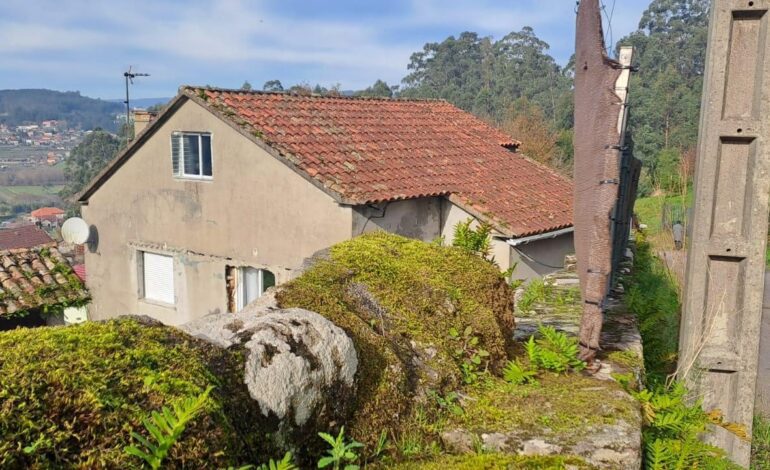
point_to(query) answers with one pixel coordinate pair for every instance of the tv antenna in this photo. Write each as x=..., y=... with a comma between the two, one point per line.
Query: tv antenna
x=129, y=75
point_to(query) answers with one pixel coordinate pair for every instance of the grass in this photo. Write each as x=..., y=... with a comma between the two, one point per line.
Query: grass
x=653, y=296
x=760, y=448
x=15, y=191
x=650, y=209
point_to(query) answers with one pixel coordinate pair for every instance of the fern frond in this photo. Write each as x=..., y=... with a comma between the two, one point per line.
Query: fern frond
x=166, y=428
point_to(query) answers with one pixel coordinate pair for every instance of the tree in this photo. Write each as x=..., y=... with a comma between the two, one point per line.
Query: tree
x=486, y=77
x=379, y=89
x=670, y=46
x=272, y=85
x=246, y=86
x=87, y=159
x=525, y=121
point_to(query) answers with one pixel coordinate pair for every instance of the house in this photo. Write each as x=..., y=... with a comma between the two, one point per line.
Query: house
x=38, y=287
x=227, y=192
x=47, y=216
x=25, y=236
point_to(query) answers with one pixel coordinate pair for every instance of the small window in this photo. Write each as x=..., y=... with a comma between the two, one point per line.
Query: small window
x=157, y=277
x=245, y=285
x=191, y=155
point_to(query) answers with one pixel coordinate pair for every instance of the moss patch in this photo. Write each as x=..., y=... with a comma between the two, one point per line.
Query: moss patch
x=399, y=299
x=76, y=392
x=495, y=462
x=564, y=407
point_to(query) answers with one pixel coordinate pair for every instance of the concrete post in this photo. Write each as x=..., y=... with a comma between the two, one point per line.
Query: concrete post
x=719, y=337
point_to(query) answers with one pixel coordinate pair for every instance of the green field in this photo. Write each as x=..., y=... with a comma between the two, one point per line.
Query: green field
x=649, y=209
x=16, y=199
x=8, y=193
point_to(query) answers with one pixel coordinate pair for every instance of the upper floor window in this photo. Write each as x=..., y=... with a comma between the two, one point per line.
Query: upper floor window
x=191, y=154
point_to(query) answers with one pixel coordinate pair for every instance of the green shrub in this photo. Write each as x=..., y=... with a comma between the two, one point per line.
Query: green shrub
x=517, y=374
x=70, y=396
x=536, y=291
x=395, y=296
x=165, y=428
x=554, y=351
x=674, y=428
x=476, y=241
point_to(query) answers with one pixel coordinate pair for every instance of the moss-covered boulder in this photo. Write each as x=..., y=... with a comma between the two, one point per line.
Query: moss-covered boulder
x=424, y=320
x=70, y=396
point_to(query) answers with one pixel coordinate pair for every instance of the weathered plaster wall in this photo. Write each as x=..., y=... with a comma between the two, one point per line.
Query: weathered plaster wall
x=255, y=212
x=542, y=257
x=415, y=218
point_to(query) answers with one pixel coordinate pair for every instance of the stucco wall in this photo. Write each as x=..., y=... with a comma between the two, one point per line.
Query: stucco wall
x=415, y=218
x=255, y=212
x=452, y=215
x=541, y=257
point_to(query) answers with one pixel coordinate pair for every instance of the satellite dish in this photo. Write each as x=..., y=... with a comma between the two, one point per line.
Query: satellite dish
x=75, y=230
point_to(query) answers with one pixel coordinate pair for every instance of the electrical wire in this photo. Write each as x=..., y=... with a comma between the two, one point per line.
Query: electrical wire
x=609, y=16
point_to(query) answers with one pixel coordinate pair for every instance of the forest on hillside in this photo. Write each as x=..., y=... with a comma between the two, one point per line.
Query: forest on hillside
x=30, y=106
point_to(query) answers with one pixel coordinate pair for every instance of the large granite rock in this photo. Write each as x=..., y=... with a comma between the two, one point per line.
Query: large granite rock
x=300, y=367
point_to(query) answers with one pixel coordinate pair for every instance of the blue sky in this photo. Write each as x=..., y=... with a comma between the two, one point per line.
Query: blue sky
x=86, y=45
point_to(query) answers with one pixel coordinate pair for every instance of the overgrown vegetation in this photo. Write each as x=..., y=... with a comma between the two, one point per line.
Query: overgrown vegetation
x=760, y=448
x=165, y=428
x=538, y=292
x=653, y=296
x=422, y=317
x=554, y=351
x=674, y=428
x=69, y=396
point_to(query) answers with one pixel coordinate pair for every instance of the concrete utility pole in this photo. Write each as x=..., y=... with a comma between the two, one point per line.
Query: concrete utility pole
x=719, y=336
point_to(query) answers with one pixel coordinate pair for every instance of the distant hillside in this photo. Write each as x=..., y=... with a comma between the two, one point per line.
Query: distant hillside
x=19, y=107
x=141, y=102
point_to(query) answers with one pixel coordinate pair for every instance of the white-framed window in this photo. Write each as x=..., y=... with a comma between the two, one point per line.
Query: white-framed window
x=248, y=284
x=191, y=155
x=156, y=274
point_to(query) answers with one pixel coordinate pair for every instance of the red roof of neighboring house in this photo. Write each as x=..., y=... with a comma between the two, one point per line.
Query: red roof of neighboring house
x=36, y=277
x=26, y=236
x=80, y=271
x=46, y=212
x=365, y=151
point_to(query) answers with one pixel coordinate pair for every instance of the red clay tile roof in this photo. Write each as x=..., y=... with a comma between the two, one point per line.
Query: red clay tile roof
x=46, y=212
x=375, y=150
x=80, y=271
x=26, y=236
x=36, y=277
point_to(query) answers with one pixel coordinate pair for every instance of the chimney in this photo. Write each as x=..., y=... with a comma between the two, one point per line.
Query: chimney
x=142, y=119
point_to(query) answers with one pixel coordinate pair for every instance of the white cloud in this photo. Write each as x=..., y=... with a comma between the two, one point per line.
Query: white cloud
x=179, y=39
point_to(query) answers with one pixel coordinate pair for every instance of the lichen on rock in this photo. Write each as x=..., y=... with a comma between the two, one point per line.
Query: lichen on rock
x=299, y=367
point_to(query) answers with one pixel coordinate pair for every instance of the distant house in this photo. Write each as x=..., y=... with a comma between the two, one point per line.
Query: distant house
x=25, y=236
x=47, y=216
x=38, y=287
x=227, y=192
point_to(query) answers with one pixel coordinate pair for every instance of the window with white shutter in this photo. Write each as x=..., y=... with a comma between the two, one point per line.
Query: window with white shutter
x=158, y=278
x=191, y=155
